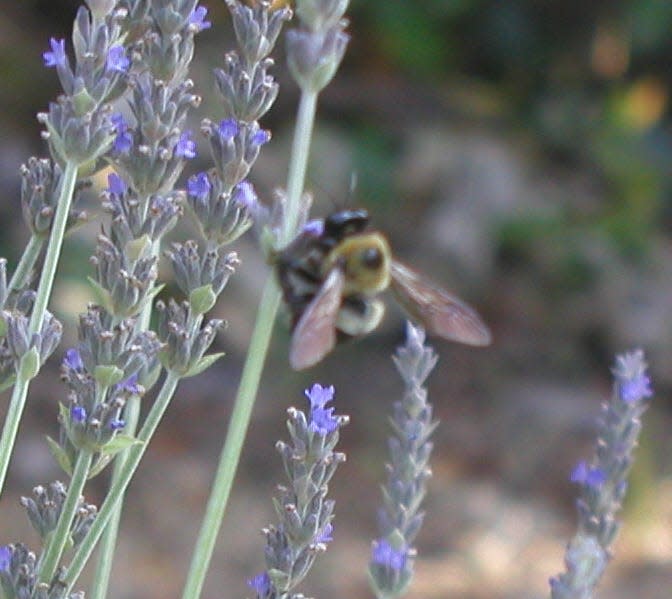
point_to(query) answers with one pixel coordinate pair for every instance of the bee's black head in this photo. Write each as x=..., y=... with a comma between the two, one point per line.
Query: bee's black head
x=343, y=223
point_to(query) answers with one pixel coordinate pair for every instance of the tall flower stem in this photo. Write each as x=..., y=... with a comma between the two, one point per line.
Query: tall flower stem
x=21, y=275
x=61, y=535
x=11, y=426
x=230, y=456
x=108, y=543
x=299, y=163
x=118, y=488
x=54, y=248
x=20, y=391
x=256, y=356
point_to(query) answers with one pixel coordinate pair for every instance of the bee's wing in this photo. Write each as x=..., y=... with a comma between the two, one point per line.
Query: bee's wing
x=315, y=333
x=440, y=312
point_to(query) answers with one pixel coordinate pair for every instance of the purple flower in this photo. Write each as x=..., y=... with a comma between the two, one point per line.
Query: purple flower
x=117, y=60
x=260, y=137
x=322, y=420
x=243, y=193
x=633, y=384
x=78, y=414
x=56, y=57
x=130, y=385
x=115, y=184
x=197, y=19
x=314, y=227
x=587, y=475
x=199, y=186
x=319, y=396
x=123, y=142
x=117, y=424
x=261, y=583
x=186, y=147
x=5, y=558
x=73, y=360
x=636, y=389
x=384, y=554
x=228, y=129
x=326, y=536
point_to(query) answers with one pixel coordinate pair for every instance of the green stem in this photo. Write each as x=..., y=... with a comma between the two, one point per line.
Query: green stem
x=54, y=248
x=256, y=356
x=20, y=391
x=60, y=537
x=240, y=420
x=298, y=164
x=126, y=473
x=11, y=426
x=24, y=268
x=108, y=543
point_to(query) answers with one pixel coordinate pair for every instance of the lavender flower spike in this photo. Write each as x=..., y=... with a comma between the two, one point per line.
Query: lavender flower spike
x=316, y=48
x=400, y=518
x=603, y=480
x=304, y=513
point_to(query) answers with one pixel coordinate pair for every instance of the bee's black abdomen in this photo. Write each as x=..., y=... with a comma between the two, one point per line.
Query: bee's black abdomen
x=356, y=303
x=298, y=269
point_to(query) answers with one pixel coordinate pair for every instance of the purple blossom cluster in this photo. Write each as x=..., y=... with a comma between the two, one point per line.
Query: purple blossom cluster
x=400, y=518
x=304, y=513
x=603, y=480
x=136, y=55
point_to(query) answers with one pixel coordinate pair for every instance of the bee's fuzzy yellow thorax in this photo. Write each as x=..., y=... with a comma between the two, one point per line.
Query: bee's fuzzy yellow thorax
x=365, y=260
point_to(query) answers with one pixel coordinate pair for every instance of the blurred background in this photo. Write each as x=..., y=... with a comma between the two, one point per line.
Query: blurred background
x=519, y=152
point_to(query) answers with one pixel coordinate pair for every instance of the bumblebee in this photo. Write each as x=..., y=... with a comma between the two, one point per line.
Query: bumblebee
x=331, y=276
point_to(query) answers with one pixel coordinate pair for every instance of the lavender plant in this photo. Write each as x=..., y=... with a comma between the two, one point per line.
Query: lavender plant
x=603, y=481
x=400, y=518
x=79, y=131
x=116, y=350
x=256, y=31
x=304, y=514
x=117, y=354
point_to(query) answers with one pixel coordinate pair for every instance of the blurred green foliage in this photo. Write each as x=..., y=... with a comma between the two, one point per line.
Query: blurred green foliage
x=588, y=82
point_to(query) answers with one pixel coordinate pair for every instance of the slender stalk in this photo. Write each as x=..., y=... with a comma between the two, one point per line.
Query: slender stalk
x=20, y=391
x=299, y=163
x=24, y=268
x=11, y=427
x=54, y=248
x=256, y=356
x=108, y=543
x=126, y=473
x=61, y=534
x=235, y=437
